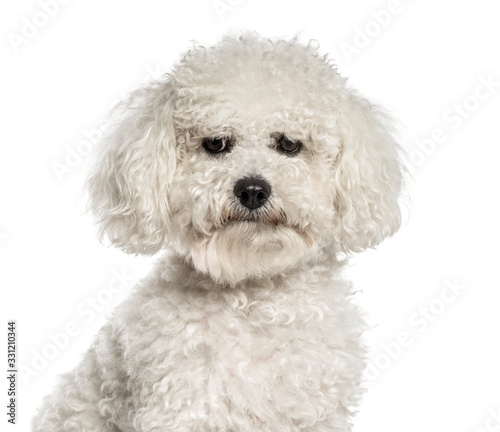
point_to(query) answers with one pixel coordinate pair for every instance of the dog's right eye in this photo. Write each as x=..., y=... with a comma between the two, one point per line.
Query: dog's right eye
x=217, y=144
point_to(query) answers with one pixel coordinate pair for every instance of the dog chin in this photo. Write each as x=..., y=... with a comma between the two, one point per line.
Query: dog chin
x=249, y=249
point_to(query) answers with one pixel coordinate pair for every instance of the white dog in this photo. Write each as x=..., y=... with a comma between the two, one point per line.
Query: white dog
x=259, y=170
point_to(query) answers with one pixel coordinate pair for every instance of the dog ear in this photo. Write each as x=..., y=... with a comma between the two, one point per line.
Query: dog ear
x=368, y=177
x=134, y=169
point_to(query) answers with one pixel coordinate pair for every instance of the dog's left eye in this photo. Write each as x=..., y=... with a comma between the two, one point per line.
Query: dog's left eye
x=287, y=146
x=217, y=144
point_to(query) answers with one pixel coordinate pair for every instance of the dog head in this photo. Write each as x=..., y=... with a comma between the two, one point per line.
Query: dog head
x=251, y=157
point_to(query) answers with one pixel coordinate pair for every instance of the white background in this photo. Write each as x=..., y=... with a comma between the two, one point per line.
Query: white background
x=425, y=63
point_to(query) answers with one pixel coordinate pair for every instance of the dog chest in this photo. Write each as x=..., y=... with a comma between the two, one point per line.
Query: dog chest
x=230, y=355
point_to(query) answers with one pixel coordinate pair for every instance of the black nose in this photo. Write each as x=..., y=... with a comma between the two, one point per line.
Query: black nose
x=252, y=192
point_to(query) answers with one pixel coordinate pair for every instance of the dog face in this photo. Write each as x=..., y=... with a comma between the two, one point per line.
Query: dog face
x=249, y=158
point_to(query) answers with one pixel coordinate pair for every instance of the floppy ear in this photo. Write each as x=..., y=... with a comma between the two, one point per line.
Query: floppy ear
x=135, y=164
x=368, y=177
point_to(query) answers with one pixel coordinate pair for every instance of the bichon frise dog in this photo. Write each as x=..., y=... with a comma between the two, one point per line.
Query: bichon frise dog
x=260, y=171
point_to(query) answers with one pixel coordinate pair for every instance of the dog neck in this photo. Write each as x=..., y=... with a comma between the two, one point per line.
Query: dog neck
x=324, y=267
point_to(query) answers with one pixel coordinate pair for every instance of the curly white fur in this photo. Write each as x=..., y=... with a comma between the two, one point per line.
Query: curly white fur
x=244, y=325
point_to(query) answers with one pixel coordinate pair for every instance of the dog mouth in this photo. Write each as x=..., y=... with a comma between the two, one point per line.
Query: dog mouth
x=265, y=215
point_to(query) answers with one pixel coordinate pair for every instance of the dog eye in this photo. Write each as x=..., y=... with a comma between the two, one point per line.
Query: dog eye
x=287, y=146
x=217, y=144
